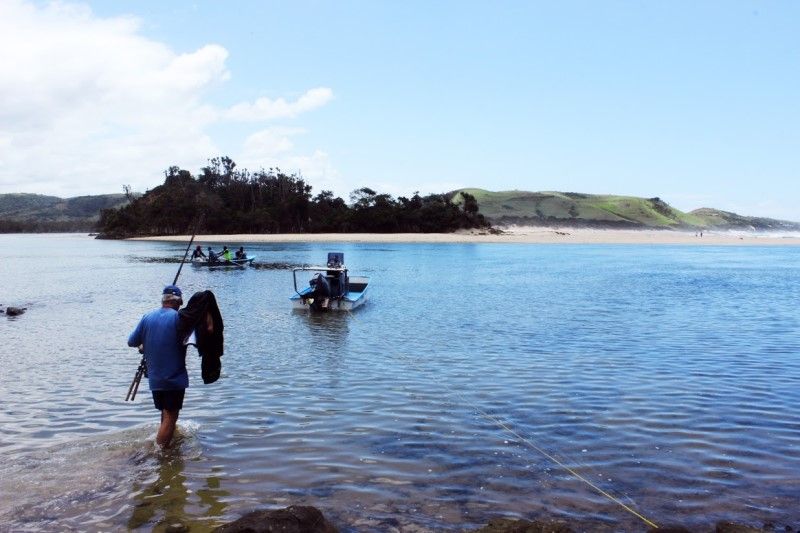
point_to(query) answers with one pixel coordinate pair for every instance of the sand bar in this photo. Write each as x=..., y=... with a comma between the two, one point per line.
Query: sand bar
x=519, y=235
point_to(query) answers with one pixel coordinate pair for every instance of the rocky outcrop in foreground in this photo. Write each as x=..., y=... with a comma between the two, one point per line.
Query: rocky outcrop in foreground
x=505, y=525
x=294, y=519
x=307, y=519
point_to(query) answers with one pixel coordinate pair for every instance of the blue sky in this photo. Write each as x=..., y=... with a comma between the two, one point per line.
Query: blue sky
x=695, y=102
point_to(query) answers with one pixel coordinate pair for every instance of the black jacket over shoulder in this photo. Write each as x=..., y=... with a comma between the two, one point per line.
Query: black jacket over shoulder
x=209, y=345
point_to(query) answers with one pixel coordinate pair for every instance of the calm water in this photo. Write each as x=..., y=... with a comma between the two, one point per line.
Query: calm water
x=465, y=389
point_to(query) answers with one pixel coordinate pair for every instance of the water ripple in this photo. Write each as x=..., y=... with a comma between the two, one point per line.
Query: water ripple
x=477, y=382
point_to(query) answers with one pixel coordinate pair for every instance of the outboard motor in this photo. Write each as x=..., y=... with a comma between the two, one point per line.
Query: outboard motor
x=321, y=291
x=336, y=261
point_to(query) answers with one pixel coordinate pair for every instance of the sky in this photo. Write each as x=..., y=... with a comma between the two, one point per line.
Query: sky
x=696, y=102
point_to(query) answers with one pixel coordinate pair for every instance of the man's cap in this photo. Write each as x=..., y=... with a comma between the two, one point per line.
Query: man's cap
x=173, y=290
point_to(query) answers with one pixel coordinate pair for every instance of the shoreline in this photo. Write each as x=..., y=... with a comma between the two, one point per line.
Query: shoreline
x=518, y=235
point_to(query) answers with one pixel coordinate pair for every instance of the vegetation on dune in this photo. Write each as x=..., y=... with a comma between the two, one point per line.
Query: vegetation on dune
x=605, y=211
x=234, y=200
x=727, y=220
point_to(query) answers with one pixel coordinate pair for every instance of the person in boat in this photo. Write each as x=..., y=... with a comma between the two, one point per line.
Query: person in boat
x=240, y=253
x=198, y=254
x=212, y=256
x=226, y=254
x=158, y=338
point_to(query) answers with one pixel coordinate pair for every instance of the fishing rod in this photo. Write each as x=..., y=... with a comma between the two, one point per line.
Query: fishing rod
x=142, y=370
x=194, y=232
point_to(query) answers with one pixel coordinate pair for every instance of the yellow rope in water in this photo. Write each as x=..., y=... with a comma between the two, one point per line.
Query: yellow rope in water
x=527, y=441
x=546, y=454
x=559, y=463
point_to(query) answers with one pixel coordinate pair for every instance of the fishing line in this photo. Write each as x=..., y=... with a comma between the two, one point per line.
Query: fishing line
x=532, y=445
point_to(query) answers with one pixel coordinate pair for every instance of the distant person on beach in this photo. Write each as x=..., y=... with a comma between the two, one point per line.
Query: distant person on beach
x=198, y=253
x=226, y=254
x=240, y=254
x=156, y=335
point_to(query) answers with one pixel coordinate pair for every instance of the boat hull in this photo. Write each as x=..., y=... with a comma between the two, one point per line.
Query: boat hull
x=349, y=301
x=233, y=263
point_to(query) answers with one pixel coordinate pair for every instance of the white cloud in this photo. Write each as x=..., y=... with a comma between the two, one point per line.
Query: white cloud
x=267, y=109
x=273, y=148
x=87, y=103
x=264, y=145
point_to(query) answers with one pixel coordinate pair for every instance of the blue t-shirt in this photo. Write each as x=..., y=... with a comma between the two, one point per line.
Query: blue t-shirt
x=163, y=350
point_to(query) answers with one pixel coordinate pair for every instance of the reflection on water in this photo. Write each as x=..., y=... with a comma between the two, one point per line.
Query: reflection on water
x=168, y=501
x=96, y=481
x=478, y=381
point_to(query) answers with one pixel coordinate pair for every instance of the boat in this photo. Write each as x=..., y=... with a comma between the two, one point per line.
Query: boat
x=331, y=287
x=223, y=263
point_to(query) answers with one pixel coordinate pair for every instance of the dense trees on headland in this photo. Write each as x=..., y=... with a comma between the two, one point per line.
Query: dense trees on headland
x=233, y=200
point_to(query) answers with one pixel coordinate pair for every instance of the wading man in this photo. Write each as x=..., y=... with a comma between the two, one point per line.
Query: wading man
x=157, y=334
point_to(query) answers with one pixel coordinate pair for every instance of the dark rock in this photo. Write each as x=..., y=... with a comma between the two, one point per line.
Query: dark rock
x=14, y=311
x=732, y=527
x=670, y=529
x=293, y=519
x=506, y=525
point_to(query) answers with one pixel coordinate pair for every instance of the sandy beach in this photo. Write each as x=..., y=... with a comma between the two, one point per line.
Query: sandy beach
x=518, y=235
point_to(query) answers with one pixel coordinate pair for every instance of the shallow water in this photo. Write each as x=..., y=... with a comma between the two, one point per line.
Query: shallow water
x=479, y=381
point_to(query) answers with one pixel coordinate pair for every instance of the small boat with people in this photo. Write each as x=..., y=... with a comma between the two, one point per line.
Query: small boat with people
x=331, y=287
x=221, y=259
x=222, y=263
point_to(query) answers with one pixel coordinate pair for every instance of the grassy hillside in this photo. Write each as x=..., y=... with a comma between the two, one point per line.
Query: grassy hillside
x=38, y=212
x=727, y=220
x=598, y=210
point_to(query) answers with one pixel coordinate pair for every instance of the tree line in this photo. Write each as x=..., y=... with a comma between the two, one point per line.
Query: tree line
x=233, y=200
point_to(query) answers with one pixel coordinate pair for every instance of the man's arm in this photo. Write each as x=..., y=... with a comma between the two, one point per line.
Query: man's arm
x=135, y=338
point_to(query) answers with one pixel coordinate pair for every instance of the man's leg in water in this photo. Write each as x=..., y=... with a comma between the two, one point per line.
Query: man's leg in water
x=169, y=419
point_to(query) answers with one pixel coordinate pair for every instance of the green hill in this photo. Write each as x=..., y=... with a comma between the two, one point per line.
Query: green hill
x=21, y=212
x=609, y=211
x=726, y=220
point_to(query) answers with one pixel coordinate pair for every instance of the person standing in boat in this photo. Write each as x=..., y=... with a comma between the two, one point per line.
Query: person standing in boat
x=240, y=254
x=198, y=254
x=158, y=339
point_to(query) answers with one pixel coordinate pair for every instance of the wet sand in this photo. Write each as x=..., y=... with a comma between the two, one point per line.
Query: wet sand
x=520, y=235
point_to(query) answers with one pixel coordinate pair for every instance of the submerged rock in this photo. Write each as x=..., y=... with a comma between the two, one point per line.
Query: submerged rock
x=506, y=525
x=293, y=519
x=732, y=527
